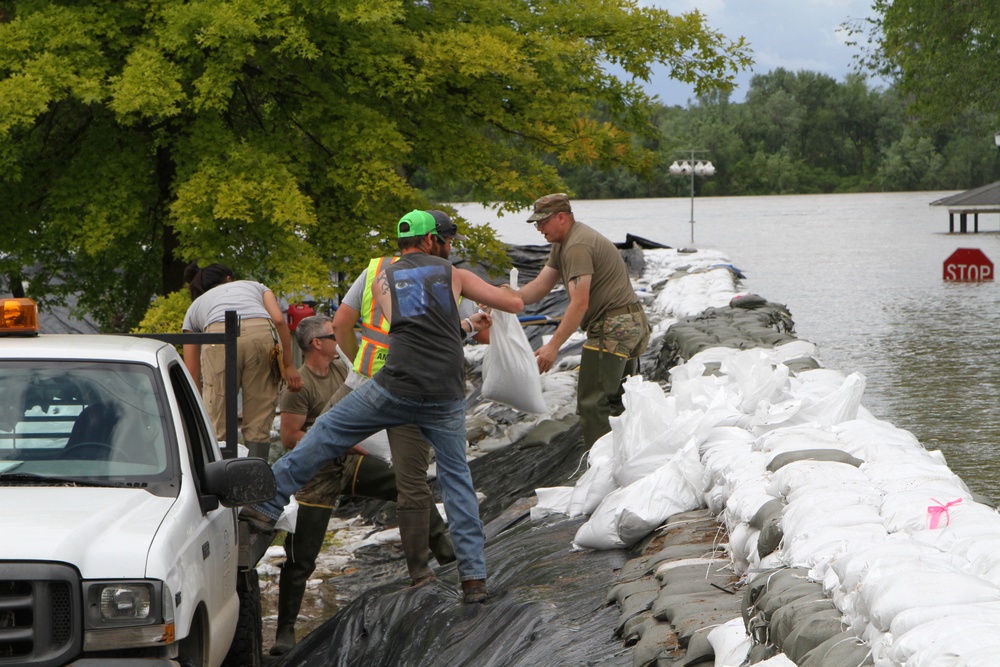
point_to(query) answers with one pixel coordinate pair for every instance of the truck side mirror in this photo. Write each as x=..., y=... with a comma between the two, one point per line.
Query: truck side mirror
x=240, y=481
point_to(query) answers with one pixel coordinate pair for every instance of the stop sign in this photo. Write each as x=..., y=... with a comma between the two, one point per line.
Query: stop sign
x=968, y=265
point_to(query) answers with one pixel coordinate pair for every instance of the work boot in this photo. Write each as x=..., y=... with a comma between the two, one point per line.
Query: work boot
x=474, y=591
x=414, y=533
x=262, y=450
x=258, y=521
x=440, y=540
x=301, y=549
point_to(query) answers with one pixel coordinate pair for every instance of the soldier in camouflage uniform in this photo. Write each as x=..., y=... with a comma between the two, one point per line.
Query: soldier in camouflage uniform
x=601, y=302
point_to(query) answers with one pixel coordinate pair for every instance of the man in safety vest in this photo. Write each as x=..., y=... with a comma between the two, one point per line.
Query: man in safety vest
x=323, y=377
x=410, y=451
x=421, y=383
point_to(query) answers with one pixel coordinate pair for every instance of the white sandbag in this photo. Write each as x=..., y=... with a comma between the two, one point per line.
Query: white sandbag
x=852, y=568
x=812, y=404
x=780, y=660
x=817, y=547
x=796, y=438
x=641, y=443
x=289, y=516
x=756, y=377
x=805, y=514
x=934, y=642
x=377, y=445
x=598, y=481
x=628, y=514
x=912, y=618
x=911, y=464
x=869, y=439
x=812, y=474
x=551, y=500
x=744, y=502
x=885, y=597
x=730, y=643
x=980, y=553
x=987, y=656
x=510, y=371
x=967, y=521
x=859, y=492
x=743, y=538
x=929, y=509
x=731, y=465
x=592, y=487
x=793, y=349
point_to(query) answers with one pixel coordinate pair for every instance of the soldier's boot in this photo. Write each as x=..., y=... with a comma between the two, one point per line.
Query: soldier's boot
x=599, y=383
x=301, y=548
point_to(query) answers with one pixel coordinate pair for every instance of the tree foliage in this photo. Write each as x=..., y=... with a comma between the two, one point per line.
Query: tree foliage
x=944, y=54
x=286, y=137
x=804, y=132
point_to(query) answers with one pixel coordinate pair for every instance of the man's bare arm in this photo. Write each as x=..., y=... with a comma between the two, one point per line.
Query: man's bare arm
x=343, y=326
x=543, y=283
x=579, y=301
x=291, y=429
x=473, y=287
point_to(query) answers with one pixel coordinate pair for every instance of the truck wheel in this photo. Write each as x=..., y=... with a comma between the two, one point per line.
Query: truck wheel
x=193, y=649
x=248, y=643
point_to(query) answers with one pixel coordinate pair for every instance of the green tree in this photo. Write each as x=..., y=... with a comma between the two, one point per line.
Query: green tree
x=286, y=137
x=945, y=55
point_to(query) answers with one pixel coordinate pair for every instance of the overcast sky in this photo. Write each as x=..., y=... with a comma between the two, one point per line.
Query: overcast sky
x=794, y=34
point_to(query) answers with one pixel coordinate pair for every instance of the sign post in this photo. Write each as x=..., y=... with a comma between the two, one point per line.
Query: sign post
x=968, y=265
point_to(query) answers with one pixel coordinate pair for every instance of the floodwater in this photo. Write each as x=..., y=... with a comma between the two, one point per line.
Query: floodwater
x=862, y=275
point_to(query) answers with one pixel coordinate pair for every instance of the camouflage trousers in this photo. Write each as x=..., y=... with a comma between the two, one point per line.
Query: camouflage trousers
x=625, y=335
x=333, y=480
x=610, y=354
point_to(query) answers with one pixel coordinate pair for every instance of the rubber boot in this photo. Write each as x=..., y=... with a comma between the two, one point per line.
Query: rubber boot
x=301, y=549
x=600, y=379
x=440, y=540
x=262, y=450
x=414, y=532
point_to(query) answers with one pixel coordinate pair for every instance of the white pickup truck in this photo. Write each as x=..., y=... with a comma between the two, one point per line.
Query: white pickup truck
x=120, y=542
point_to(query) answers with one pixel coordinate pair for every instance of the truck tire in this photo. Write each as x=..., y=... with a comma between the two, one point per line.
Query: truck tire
x=248, y=643
x=193, y=650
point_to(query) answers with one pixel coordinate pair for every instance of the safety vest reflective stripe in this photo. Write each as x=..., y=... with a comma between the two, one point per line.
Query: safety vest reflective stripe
x=374, y=346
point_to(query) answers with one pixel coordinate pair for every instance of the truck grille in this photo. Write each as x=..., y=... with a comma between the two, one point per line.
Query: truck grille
x=37, y=614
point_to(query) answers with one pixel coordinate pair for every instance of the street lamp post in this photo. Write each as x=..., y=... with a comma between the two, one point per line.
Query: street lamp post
x=692, y=169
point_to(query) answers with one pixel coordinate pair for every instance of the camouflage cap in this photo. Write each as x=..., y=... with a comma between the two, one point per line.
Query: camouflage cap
x=549, y=205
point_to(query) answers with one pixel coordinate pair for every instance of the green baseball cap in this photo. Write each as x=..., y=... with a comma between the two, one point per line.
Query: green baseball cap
x=416, y=223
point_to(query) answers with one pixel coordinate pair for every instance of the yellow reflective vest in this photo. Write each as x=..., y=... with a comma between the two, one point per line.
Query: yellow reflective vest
x=374, y=346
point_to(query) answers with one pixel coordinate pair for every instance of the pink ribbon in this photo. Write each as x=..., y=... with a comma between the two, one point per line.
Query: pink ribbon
x=934, y=512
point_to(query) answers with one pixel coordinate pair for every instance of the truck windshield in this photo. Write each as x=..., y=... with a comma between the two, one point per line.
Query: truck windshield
x=100, y=421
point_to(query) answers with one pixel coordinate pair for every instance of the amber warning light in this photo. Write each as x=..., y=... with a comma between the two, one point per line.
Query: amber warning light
x=18, y=317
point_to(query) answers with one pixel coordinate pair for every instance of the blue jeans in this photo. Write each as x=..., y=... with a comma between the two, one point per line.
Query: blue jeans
x=369, y=409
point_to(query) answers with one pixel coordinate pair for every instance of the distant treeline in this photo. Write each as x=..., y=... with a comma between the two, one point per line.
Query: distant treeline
x=804, y=132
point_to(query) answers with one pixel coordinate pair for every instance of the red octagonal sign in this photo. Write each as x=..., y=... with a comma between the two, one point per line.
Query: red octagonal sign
x=968, y=265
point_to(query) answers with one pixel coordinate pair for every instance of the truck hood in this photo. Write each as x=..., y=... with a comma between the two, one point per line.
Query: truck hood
x=105, y=533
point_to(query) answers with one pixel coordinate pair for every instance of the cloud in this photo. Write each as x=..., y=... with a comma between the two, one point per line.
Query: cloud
x=793, y=34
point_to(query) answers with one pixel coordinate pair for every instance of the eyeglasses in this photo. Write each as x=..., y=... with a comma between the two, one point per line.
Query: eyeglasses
x=326, y=337
x=540, y=223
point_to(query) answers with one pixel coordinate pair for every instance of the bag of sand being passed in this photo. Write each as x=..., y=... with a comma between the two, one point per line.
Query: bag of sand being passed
x=510, y=372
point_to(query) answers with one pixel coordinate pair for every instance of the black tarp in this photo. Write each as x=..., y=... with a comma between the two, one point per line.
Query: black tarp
x=548, y=605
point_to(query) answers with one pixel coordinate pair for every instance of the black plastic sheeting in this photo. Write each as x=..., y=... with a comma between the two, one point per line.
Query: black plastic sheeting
x=548, y=606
